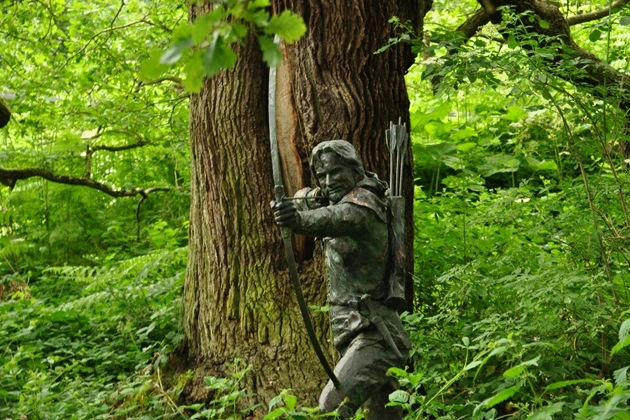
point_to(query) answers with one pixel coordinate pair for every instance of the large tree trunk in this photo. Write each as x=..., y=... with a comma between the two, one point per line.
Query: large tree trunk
x=238, y=302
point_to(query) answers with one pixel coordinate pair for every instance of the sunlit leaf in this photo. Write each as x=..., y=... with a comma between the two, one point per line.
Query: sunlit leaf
x=271, y=51
x=595, y=35
x=152, y=68
x=288, y=25
x=500, y=396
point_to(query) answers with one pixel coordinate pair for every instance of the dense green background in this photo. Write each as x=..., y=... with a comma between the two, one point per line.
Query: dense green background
x=522, y=233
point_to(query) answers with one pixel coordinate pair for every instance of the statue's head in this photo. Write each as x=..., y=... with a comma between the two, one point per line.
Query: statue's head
x=337, y=168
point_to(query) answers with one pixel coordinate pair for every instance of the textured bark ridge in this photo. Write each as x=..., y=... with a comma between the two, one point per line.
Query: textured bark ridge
x=238, y=302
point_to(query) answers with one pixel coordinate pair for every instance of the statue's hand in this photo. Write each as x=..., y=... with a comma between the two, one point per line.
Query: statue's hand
x=285, y=213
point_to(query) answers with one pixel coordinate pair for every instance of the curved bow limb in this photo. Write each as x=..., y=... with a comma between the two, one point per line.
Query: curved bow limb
x=286, y=232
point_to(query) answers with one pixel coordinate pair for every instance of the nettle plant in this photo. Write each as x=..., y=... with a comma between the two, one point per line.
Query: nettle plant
x=516, y=391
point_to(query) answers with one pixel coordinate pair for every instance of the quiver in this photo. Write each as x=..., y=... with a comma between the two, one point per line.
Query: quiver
x=395, y=280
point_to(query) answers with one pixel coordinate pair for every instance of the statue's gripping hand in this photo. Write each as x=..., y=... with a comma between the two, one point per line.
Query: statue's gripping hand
x=285, y=213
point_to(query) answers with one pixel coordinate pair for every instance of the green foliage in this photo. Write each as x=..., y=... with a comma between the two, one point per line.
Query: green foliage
x=80, y=111
x=84, y=331
x=521, y=214
x=206, y=46
x=519, y=247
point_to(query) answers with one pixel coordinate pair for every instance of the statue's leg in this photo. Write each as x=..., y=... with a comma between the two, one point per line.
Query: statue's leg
x=375, y=407
x=362, y=373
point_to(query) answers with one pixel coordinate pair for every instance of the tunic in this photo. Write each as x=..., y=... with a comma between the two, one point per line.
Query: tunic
x=355, y=236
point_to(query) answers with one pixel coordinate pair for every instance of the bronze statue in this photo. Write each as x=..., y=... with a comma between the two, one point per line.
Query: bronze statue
x=351, y=210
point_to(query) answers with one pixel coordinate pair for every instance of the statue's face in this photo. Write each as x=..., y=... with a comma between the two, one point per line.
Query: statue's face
x=335, y=179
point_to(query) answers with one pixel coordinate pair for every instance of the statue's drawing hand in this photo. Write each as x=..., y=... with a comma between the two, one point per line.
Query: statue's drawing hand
x=285, y=213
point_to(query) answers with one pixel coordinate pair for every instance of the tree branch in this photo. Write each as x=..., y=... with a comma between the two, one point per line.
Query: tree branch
x=118, y=148
x=176, y=80
x=9, y=177
x=593, y=74
x=598, y=14
x=475, y=22
x=5, y=113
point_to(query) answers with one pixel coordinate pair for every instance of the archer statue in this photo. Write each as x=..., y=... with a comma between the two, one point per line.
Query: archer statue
x=360, y=223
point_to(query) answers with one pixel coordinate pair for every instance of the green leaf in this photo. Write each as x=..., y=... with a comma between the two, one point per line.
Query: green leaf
x=624, y=330
x=399, y=396
x=288, y=25
x=152, y=68
x=260, y=18
x=274, y=401
x=217, y=56
x=545, y=165
x=624, y=21
x=203, y=25
x=464, y=133
x=275, y=414
x=500, y=163
x=515, y=113
x=271, y=51
x=621, y=376
x=547, y=412
x=397, y=372
x=464, y=147
x=239, y=30
x=420, y=119
x=595, y=35
x=512, y=42
x=563, y=384
x=500, y=397
x=260, y=3
x=290, y=401
x=182, y=32
x=175, y=52
x=621, y=345
x=543, y=24
x=473, y=364
x=193, y=82
x=517, y=370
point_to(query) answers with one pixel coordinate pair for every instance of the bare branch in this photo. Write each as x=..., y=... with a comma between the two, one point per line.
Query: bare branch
x=159, y=25
x=118, y=148
x=138, y=138
x=9, y=177
x=176, y=80
x=598, y=14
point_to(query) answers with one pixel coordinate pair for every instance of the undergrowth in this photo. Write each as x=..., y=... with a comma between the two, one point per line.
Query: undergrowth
x=82, y=339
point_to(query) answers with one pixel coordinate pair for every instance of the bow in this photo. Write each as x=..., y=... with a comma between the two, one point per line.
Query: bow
x=286, y=232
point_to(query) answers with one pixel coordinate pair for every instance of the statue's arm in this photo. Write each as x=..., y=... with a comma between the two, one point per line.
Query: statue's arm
x=338, y=220
x=309, y=199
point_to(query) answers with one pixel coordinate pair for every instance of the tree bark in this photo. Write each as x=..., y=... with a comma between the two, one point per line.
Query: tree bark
x=5, y=113
x=238, y=302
